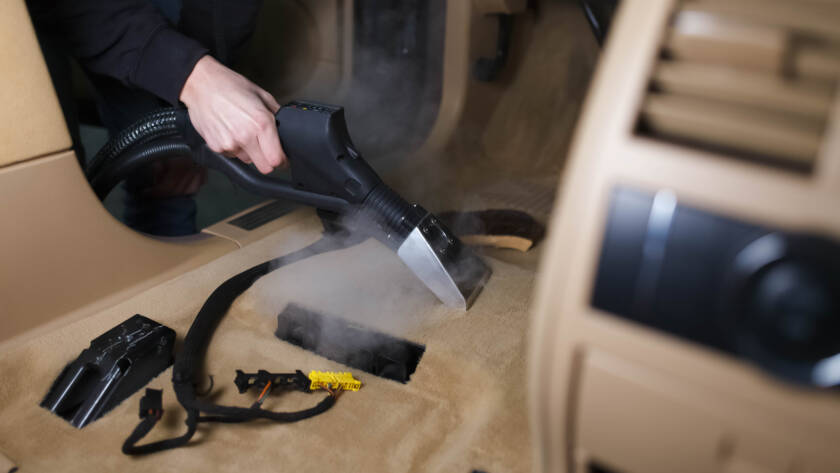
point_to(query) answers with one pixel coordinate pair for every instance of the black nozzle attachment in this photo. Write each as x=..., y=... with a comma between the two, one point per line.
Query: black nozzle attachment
x=393, y=215
x=117, y=363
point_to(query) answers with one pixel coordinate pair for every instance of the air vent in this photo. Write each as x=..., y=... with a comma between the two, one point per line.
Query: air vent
x=751, y=79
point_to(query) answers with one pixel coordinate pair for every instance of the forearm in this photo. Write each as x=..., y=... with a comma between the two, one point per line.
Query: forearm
x=128, y=40
x=131, y=41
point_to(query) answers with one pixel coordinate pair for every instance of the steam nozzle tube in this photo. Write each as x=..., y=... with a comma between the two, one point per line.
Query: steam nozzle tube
x=393, y=214
x=450, y=269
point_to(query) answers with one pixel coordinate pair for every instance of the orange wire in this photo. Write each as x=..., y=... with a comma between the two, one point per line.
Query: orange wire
x=265, y=390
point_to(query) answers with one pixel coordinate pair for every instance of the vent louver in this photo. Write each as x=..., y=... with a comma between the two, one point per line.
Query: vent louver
x=748, y=78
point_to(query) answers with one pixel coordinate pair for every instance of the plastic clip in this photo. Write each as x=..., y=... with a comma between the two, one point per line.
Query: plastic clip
x=331, y=380
x=262, y=378
x=151, y=405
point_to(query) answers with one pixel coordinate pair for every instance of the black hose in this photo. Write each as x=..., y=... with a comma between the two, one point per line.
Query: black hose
x=158, y=124
x=121, y=166
x=396, y=216
x=139, y=144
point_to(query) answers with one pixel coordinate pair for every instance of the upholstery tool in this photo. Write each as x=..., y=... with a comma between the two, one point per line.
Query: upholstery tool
x=117, y=363
x=327, y=172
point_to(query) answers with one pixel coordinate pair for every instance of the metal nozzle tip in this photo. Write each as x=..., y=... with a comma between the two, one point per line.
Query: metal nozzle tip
x=451, y=270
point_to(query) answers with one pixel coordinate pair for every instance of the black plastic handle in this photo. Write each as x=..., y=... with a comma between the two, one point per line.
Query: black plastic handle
x=252, y=181
x=327, y=171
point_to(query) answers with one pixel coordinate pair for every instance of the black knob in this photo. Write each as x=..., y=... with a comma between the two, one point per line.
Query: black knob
x=786, y=305
x=792, y=312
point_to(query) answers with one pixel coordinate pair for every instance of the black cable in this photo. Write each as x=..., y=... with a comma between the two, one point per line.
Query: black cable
x=188, y=361
x=146, y=425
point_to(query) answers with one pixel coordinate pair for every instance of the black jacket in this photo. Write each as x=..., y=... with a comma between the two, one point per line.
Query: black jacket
x=132, y=42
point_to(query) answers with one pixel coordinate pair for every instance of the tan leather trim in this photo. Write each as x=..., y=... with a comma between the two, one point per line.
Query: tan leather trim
x=62, y=251
x=31, y=122
x=627, y=369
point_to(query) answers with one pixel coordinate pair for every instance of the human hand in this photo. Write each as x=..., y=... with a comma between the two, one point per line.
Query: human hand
x=233, y=115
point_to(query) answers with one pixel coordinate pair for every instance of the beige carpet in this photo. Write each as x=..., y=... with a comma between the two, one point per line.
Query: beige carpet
x=463, y=409
x=465, y=406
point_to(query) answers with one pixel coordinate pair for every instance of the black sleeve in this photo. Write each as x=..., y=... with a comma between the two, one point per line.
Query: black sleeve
x=128, y=40
x=222, y=25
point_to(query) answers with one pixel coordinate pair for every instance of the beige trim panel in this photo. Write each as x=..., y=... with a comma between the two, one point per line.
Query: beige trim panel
x=61, y=250
x=31, y=123
x=244, y=237
x=607, y=390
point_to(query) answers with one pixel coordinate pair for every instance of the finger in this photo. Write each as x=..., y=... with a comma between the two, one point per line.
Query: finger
x=230, y=150
x=258, y=157
x=251, y=145
x=243, y=156
x=227, y=148
x=263, y=167
x=255, y=154
x=284, y=160
x=269, y=143
x=269, y=101
x=238, y=153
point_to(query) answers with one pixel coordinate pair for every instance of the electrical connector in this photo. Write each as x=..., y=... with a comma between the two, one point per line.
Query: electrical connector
x=332, y=380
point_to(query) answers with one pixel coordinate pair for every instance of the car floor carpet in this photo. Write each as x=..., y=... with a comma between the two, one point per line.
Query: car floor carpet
x=464, y=407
